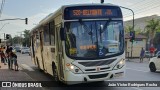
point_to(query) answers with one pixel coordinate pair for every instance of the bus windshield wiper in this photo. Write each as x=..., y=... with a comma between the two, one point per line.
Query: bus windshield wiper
x=105, y=26
x=89, y=31
x=85, y=27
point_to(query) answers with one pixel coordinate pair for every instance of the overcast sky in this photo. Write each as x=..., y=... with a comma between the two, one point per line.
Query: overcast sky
x=36, y=10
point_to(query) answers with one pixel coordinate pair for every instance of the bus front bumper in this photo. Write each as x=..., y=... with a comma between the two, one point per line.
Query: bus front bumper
x=72, y=78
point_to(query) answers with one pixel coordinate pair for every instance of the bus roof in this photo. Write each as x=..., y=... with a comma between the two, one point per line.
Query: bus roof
x=51, y=16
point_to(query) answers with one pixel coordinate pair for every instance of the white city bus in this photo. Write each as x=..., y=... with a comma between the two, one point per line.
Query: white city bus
x=80, y=43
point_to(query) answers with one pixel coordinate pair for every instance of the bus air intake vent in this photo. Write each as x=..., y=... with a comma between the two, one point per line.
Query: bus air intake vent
x=90, y=70
x=97, y=63
x=98, y=76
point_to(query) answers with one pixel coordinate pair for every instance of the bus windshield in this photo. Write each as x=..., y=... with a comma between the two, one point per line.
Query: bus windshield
x=93, y=39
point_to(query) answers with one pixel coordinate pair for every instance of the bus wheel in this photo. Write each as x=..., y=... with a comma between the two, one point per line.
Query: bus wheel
x=55, y=73
x=152, y=67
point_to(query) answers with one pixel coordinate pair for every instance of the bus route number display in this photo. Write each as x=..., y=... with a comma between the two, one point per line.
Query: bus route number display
x=92, y=12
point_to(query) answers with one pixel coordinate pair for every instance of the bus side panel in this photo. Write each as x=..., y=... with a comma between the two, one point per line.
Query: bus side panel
x=39, y=58
x=48, y=57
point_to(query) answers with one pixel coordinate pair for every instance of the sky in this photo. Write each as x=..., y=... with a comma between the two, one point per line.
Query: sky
x=36, y=10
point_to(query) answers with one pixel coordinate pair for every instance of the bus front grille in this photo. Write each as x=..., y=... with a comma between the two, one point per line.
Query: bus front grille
x=98, y=76
x=97, y=63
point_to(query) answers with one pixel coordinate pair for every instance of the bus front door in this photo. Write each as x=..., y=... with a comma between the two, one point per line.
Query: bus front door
x=59, y=56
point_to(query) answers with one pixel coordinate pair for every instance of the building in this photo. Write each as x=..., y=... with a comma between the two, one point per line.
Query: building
x=139, y=42
x=140, y=23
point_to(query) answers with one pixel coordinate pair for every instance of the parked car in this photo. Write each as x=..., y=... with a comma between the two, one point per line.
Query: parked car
x=25, y=50
x=18, y=49
x=154, y=63
x=147, y=54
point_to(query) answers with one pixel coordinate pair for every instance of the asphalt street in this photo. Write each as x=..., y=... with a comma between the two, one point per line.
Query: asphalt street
x=135, y=71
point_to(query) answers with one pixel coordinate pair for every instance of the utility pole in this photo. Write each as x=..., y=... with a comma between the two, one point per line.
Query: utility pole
x=20, y=39
x=4, y=39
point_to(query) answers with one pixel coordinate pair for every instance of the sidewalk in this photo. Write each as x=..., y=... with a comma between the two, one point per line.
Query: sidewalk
x=3, y=66
x=11, y=75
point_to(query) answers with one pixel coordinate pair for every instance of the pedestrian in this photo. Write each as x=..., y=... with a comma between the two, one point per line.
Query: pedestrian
x=152, y=50
x=13, y=58
x=142, y=55
x=3, y=56
x=8, y=57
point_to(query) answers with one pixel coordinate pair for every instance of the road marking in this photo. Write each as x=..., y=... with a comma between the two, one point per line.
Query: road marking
x=137, y=70
x=27, y=67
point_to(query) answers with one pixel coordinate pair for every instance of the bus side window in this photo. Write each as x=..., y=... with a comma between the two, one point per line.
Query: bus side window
x=46, y=34
x=37, y=39
x=52, y=33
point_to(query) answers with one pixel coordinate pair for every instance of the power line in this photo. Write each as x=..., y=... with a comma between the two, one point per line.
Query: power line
x=146, y=5
x=151, y=4
x=144, y=9
x=136, y=3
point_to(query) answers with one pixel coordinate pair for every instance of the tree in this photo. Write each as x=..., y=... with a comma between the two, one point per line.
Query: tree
x=138, y=31
x=151, y=28
x=26, y=39
x=128, y=29
x=16, y=40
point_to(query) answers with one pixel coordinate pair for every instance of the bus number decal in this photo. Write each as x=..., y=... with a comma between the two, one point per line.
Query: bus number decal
x=77, y=12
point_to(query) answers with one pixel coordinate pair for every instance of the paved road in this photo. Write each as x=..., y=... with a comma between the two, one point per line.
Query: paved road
x=135, y=71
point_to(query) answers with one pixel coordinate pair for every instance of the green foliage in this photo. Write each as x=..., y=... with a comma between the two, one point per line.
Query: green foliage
x=151, y=28
x=26, y=39
x=138, y=31
x=156, y=39
x=16, y=40
x=128, y=29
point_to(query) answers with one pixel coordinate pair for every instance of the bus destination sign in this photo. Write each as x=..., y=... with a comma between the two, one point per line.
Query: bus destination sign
x=91, y=12
x=87, y=13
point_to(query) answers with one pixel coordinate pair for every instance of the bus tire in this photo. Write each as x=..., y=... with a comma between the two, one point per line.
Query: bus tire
x=152, y=67
x=55, y=73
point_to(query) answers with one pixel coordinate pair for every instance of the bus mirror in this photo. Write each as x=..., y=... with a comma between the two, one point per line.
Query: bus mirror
x=62, y=33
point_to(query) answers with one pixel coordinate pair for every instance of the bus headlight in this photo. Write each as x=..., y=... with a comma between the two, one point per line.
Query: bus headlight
x=74, y=68
x=120, y=64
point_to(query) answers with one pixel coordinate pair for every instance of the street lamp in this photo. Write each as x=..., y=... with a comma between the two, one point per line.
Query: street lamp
x=21, y=33
x=132, y=27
